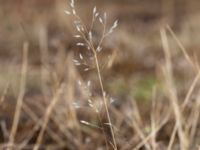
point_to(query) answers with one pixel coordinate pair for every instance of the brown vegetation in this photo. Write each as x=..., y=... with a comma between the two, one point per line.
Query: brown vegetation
x=149, y=69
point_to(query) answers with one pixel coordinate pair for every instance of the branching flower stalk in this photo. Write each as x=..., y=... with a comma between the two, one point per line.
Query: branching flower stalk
x=87, y=37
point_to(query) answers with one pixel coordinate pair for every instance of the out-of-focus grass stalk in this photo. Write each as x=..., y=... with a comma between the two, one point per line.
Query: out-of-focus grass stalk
x=184, y=143
x=47, y=116
x=21, y=95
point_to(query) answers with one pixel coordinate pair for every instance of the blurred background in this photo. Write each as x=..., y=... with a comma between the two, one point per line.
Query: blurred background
x=131, y=65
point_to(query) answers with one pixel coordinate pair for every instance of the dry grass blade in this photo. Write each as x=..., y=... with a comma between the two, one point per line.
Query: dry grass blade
x=43, y=43
x=184, y=143
x=193, y=119
x=153, y=117
x=191, y=89
x=181, y=47
x=21, y=95
x=4, y=94
x=172, y=138
x=47, y=116
x=147, y=138
x=39, y=123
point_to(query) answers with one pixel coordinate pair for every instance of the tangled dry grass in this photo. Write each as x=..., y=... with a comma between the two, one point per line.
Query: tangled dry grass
x=92, y=88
